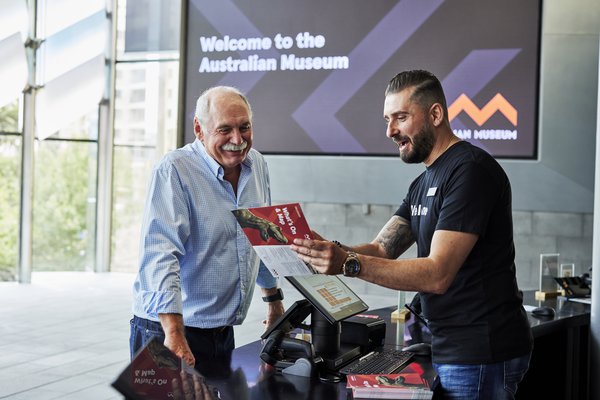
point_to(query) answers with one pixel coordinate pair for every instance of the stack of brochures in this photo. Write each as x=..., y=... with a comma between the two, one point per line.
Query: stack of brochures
x=407, y=384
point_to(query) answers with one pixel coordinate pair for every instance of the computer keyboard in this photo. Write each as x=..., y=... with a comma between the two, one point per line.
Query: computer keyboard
x=385, y=361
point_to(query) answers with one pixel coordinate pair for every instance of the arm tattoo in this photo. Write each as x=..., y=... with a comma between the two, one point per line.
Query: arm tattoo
x=395, y=237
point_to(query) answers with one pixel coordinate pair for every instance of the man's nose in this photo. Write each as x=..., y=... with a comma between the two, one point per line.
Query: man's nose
x=236, y=136
x=391, y=130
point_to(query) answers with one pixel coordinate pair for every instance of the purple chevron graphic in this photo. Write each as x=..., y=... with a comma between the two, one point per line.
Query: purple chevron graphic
x=472, y=74
x=317, y=114
x=475, y=71
x=229, y=20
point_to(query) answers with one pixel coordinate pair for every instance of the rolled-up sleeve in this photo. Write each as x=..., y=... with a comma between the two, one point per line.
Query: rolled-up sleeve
x=265, y=279
x=164, y=231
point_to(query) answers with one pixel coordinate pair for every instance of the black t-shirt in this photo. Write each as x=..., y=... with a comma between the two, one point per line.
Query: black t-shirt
x=480, y=318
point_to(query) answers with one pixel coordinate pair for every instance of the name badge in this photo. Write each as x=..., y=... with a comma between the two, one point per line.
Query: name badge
x=431, y=191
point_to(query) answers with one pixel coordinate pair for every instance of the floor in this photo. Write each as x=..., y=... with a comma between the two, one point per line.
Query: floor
x=65, y=335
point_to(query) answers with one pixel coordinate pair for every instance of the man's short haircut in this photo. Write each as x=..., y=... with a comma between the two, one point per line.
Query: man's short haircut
x=428, y=89
x=203, y=103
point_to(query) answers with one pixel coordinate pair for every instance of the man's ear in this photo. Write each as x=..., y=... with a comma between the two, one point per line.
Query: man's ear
x=198, y=130
x=436, y=114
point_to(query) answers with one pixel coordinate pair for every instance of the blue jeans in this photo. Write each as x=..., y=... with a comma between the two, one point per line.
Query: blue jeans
x=497, y=381
x=211, y=348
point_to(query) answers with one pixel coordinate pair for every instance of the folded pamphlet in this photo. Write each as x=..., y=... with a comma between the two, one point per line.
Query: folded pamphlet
x=271, y=230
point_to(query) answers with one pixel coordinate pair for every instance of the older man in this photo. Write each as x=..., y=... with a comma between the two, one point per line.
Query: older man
x=197, y=269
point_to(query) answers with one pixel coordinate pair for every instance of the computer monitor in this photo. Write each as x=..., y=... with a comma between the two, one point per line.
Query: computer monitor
x=328, y=301
x=330, y=295
x=333, y=299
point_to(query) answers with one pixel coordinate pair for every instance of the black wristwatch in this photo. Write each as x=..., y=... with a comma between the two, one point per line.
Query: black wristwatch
x=274, y=297
x=351, y=266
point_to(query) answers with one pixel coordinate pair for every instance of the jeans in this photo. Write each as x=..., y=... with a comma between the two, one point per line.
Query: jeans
x=211, y=348
x=497, y=381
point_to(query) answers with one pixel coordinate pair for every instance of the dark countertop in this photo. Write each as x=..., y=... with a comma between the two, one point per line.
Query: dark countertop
x=253, y=379
x=568, y=314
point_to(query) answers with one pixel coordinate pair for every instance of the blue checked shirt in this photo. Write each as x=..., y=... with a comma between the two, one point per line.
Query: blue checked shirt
x=194, y=258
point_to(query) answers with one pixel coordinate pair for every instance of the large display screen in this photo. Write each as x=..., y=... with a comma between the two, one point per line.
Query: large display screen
x=315, y=71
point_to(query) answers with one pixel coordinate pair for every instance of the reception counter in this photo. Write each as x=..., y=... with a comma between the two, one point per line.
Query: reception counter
x=559, y=366
x=560, y=363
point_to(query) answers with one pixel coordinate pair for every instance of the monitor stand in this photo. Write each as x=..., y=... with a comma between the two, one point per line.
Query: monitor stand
x=326, y=342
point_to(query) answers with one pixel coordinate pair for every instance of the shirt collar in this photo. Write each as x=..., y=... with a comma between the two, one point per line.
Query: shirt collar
x=215, y=167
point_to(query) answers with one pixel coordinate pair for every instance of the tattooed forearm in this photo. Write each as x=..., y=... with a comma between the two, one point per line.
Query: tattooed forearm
x=395, y=237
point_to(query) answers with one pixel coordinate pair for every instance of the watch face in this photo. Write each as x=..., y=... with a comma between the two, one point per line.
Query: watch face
x=352, y=267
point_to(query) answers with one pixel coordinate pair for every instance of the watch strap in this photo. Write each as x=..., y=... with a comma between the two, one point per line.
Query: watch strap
x=274, y=297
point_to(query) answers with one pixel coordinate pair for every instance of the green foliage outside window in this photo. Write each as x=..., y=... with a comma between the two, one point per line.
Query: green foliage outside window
x=132, y=169
x=10, y=154
x=64, y=199
x=60, y=228
x=9, y=117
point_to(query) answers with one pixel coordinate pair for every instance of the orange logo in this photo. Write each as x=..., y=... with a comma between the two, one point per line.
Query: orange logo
x=497, y=103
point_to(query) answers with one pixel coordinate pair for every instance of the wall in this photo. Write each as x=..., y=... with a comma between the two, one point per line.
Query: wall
x=349, y=198
x=569, y=234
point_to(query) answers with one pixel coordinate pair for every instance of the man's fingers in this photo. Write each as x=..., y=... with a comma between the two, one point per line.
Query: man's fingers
x=189, y=359
x=185, y=385
x=176, y=390
x=201, y=389
x=302, y=242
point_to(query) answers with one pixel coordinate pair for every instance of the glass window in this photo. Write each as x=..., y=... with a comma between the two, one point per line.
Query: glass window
x=149, y=26
x=137, y=95
x=136, y=115
x=71, y=68
x=137, y=75
x=72, y=47
x=85, y=128
x=156, y=114
x=10, y=189
x=13, y=18
x=64, y=211
x=13, y=68
x=70, y=63
x=57, y=15
x=13, y=79
x=144, y=131
x=69, y=96
x=145, y=124
x=9, y=117
x=129, y=192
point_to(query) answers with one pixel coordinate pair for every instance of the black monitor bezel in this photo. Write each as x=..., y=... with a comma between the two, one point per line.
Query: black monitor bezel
x=291, y=319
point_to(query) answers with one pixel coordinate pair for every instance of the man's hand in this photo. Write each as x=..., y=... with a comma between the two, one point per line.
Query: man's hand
x=267, y=229
x=193, y=387
x=175, y=340
x=324, y=256
x=275, y=310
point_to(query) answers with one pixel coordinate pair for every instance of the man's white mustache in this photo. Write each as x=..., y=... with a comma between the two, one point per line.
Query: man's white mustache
x=235, y=147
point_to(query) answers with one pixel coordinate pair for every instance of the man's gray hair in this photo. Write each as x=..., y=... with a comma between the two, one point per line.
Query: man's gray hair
x=204, y=102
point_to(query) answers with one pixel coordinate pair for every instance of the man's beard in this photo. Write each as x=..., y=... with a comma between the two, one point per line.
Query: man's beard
x=421, y=146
